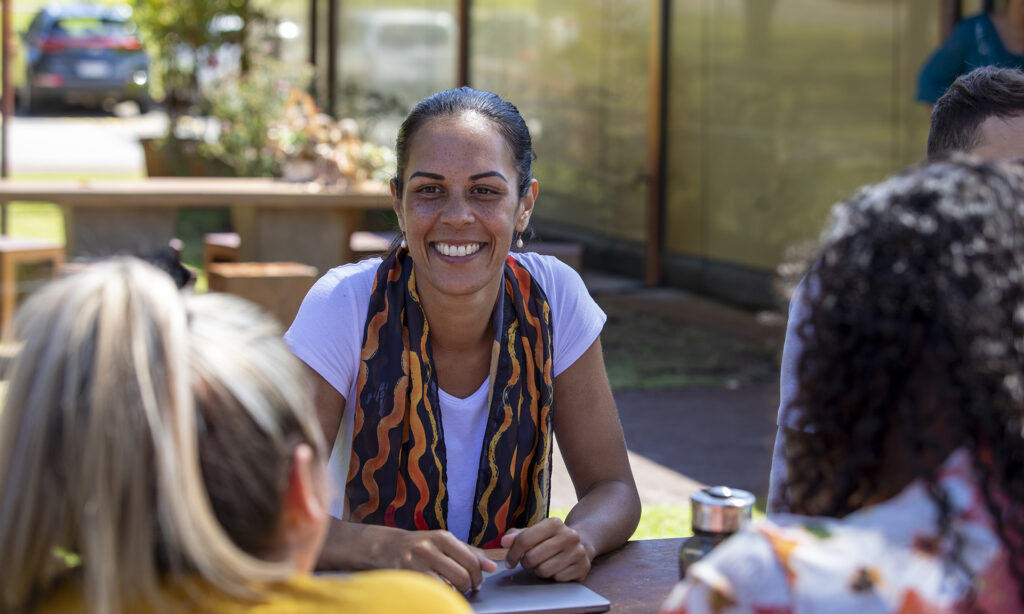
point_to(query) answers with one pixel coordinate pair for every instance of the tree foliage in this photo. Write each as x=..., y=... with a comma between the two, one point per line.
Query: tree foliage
x=180, y=34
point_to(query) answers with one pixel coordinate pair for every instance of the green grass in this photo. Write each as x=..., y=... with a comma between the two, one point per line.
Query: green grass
x=656, y=521
x=665, y=521
x=35, y=220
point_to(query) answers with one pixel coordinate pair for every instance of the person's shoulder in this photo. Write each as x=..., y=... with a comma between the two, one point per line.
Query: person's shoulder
x=389, y=591
x=968, y=25
x=346, y=282
x=354, y=272
x=336, y=302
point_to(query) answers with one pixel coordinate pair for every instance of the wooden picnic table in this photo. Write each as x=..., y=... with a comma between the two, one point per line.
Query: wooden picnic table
x=637, y=577
x=277, y=220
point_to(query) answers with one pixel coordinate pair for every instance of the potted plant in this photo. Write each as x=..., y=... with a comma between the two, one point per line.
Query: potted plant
x=245, y=108
x=268, y=125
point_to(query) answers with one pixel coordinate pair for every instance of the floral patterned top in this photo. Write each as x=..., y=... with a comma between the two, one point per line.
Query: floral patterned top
x=883, y=558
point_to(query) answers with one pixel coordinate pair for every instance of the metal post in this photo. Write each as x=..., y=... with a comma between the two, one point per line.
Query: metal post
x=462, y=53
x=657, y=122
x=332, y=57
x=8, y=103
x=952, y=11
x=313, y=39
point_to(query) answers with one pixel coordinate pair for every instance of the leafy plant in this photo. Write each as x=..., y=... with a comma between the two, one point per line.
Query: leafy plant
x=266, y=121
x=246, y=108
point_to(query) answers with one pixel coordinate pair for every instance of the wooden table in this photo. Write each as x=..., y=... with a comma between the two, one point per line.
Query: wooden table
x=277, y=220
x=637, y=577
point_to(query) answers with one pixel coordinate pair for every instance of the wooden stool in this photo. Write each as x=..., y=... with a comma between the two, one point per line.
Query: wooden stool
x=24, y=265
x=365, y=244
x=220, y=247
x=277, y=287
x=569, y=253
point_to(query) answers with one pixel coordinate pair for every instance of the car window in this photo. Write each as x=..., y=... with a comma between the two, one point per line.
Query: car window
x=352, y=32
x=80, y=27
x=412, y=35
x=35, y=27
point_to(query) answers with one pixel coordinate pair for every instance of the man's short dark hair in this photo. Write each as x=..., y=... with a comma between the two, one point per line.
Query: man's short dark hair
x=982, y=93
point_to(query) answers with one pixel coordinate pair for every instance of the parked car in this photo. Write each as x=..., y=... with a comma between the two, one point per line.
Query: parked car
x=405, y=52
x=83, y=53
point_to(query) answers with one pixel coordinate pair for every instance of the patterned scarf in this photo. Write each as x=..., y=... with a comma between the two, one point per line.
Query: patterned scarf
x=397, y=473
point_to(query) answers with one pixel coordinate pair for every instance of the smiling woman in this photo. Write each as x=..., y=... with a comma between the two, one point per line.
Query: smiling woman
x=444, y=370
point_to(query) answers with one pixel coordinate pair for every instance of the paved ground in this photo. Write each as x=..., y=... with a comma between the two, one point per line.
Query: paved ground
x=70, y=141
x=681, y=438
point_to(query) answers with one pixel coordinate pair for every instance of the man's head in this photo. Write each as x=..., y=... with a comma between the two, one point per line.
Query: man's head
x=982, y=113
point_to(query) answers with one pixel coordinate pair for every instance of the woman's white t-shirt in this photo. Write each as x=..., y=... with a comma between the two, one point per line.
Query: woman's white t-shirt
x=327, y=334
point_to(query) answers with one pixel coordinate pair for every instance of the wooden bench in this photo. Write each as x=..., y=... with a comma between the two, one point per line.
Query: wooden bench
x=276, y=220
x=277, y=287
x=220, y=247
x=367, y=244
x=226, y=246
x=24, y=265
x=569, y=253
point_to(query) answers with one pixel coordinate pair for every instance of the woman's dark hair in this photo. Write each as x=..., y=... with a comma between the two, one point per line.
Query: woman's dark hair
x=915, y=336
x=451, y=103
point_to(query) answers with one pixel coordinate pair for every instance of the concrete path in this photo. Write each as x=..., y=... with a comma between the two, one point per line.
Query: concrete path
x=81, y=142
x=680, y=440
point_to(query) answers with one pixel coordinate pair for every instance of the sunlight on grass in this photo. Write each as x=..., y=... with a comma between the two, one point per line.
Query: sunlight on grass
x=35, y=220
x=664, y=521
x=656, y=521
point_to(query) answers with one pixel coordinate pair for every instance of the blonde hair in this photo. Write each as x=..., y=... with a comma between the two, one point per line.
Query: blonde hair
x=115, y=390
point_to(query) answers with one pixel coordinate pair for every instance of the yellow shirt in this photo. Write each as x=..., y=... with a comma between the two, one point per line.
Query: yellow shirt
x=371, y=592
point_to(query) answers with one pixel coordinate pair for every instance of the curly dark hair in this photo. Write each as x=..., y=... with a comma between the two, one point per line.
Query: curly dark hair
x=914, y=346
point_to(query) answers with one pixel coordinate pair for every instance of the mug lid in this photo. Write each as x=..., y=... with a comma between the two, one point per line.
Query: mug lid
x=721, y=509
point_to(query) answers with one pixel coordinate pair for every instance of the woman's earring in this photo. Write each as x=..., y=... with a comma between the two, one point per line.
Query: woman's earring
x=519, y=243
x=403, y=243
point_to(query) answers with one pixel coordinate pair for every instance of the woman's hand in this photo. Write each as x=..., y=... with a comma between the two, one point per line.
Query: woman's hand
x=440, y=554
x=353, y=546
x=551, y=549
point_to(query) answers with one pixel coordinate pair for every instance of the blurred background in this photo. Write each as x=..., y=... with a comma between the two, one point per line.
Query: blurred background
x=684, y=146
x=684, y=142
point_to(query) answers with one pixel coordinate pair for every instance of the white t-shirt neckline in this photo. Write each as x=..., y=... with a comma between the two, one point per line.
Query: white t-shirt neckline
x=464, y=422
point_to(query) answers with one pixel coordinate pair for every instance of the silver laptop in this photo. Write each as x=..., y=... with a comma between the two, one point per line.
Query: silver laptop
x=518, y=591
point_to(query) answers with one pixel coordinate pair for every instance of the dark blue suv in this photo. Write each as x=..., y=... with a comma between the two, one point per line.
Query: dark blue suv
x=83, y=53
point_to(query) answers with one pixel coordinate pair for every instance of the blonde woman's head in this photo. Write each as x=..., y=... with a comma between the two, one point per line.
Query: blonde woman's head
x=148, y=432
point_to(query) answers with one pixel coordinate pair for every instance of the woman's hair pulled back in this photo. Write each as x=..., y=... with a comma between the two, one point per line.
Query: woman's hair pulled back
x=458, y=101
